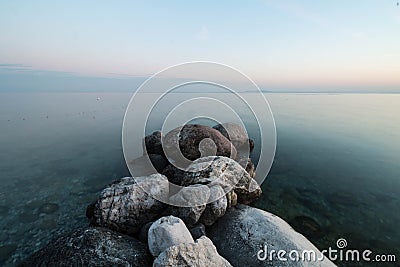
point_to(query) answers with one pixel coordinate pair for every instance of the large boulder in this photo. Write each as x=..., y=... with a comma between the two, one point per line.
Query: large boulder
x=234, y=133
x=189, y=203
x=225, y=172
x=125, y=206
x=215, y=209
x=152, y=144
x=167, y=232
x=92, y=247
x=244, y=231
x=199, y=254
x=194, y=141
x=174, y=174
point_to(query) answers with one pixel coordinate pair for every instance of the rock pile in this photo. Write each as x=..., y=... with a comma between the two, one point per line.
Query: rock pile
x=208, y=223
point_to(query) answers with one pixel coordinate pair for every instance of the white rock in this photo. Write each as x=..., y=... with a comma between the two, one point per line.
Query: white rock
x=244, y=231
x=167, y=232
x=199, y=254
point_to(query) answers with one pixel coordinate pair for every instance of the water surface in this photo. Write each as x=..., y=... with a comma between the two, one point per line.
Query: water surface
x=335, y=175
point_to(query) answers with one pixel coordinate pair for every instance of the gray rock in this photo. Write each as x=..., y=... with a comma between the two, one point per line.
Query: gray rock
x=191, y=202
x=216, y=209
x=249, y=166
x=244, y=231
x=124, y=206
x=92, y=247
x=152, y=144
x=225, y=172
x=189, y=215
x=194, y=141
x=234, y=133
x=167, y=232
x=159, y=162
x=198, y=231
x=199, y=254
x=231, y=198
x=173, y=174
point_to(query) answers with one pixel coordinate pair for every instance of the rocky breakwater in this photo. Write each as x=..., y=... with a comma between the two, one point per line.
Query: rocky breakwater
x=192, y=216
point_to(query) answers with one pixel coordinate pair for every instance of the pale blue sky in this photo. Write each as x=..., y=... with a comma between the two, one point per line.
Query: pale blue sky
x=286, y=45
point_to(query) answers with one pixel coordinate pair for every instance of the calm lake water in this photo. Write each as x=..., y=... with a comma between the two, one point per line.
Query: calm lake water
x=336, y=172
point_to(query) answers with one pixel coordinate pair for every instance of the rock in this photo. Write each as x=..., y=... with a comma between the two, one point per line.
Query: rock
x=251, y=144
x=124, y=206
x=191, y=195
x=147, y=165
x=189, y=203
x=92, y=247
x=198, y=231
x=231, y=198
x=159, y=162
x=48, y=224
x=48, y=208
x=189, y=215
x=199, y=254
x=216, y=209
x=173, y=174
x=244, y=232
x=234, y=133
x=144, y=232
x=195, y=141
x=249, y=166
x=167, y=232
x=225, y=172
x=152, y=144
x=307, y=226
x=6, y=251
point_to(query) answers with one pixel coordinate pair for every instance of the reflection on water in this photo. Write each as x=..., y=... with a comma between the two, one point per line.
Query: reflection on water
x=336, y=171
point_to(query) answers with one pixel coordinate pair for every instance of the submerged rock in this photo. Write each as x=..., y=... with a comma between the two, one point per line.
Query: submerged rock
x=147, y=164
x=307, y=226
x=244, y=232
x=48, y=208
x=167, y=232
x=125, y=207
x=92, y=247
x=199, y=254
x=195, y=141
x=6, y=251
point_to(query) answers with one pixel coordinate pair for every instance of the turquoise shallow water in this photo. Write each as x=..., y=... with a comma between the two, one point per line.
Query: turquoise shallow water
x=336, y=172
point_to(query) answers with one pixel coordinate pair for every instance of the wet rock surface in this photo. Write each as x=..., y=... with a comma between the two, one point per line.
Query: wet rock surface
x=92, y=247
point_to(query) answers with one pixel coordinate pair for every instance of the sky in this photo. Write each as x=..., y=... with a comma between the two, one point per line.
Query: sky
x=282, y=45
